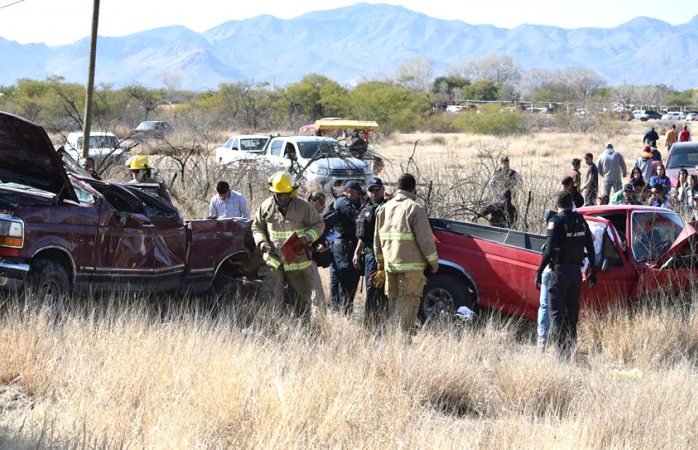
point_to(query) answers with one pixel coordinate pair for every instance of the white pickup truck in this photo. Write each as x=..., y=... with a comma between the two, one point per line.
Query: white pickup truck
x=321, y=160
x=102, y=144
x=241, y=149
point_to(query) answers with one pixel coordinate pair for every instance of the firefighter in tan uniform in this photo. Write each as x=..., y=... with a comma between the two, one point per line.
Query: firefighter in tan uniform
x=404, y=246
x=276, y=219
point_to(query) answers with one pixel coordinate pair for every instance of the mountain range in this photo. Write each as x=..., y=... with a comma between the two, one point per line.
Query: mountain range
x=363, y=41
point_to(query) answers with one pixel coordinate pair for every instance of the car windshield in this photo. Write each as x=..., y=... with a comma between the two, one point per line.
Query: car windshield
x=254, y=145
x=146, y=126
x=654, y=233
x=683, y=156
x=101, y=142
x=328, y=147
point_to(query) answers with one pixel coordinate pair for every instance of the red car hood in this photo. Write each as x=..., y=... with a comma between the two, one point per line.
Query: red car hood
x=27, y=157
x=688, y=236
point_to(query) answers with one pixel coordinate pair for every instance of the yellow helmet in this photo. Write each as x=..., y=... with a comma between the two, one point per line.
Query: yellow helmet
x=138, y=162
x=282, y=183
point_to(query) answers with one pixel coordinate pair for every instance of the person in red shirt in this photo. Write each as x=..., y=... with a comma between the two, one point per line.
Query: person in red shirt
x=684, y=134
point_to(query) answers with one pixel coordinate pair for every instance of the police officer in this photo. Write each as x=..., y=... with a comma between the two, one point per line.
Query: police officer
x=365, y=228
x=341, y=217
x=568, y=236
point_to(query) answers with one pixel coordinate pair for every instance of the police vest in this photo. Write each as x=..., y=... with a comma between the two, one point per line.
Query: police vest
x=366, y=224
x=571, y=239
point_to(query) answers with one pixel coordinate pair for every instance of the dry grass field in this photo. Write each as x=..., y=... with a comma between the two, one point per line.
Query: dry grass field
x=122, y=372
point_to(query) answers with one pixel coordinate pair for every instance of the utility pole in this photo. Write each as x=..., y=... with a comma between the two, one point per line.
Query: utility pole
x=87, y=121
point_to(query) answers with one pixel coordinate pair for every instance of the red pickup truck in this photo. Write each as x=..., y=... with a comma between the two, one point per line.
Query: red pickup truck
x=62, y=231
x=641, y=250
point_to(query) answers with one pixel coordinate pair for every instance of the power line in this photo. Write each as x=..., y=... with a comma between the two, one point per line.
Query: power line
x=10, y=4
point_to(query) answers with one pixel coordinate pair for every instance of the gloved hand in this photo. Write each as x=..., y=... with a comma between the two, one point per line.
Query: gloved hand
x=591, y=280
x=539, y=280
x=265, y=247
x=378, y=278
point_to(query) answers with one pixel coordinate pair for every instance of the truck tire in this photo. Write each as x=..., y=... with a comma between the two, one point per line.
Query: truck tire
x=444, y=294
x=48, y=283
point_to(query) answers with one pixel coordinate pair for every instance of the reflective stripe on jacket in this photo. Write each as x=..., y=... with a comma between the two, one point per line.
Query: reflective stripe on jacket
x=270, y=225
x=403, y=239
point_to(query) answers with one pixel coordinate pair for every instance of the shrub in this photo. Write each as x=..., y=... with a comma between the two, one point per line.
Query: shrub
x=493, y=120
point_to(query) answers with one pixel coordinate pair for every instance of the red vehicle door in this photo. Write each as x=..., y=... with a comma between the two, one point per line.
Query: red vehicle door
x=616, y=276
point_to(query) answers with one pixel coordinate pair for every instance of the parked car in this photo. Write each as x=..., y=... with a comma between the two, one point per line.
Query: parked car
x=244, y=148
x=320, y=160
x=154, y=129
x=645, y=115
x=681, y=155
x=642, y=250
x=102, y=144
x=673, y=115
x=61, y=231
x=692, y=116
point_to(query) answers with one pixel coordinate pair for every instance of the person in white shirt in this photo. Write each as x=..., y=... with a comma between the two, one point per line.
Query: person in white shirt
x=227, y=203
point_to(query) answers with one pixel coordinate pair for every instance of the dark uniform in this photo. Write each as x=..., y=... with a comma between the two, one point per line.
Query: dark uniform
x=376, y=300
x=568, y=236
x=342, y=218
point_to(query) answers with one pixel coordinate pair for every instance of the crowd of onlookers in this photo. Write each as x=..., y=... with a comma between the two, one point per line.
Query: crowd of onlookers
x=646, y=184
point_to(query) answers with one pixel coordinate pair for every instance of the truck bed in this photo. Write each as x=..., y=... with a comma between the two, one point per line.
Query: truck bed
x=518, y=239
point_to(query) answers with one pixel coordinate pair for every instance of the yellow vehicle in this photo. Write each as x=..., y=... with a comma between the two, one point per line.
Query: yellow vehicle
x=348, y=130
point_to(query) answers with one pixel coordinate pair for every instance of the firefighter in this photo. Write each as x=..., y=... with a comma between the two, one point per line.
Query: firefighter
x=404, y=246
x=142, y=173
x=568, y=236
x=276, y=219
x=365, y=229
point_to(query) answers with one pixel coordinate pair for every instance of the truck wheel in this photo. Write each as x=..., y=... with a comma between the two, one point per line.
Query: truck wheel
x=49, y=282
x=444, y=294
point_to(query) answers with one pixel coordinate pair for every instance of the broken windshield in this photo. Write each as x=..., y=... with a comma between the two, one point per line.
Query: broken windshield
x=654, y=233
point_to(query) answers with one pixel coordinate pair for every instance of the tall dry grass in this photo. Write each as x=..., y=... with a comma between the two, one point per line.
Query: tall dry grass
x=122, y=373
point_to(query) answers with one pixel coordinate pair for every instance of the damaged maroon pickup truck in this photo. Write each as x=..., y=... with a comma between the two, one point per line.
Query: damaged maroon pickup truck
x=62, y=231
x=640, y=250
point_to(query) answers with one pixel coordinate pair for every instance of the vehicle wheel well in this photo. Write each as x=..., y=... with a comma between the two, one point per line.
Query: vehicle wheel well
x=238, y=264
x=59, y=257
x=467, y=281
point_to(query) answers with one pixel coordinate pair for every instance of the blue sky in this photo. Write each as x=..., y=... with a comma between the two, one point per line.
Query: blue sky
x=56, y=22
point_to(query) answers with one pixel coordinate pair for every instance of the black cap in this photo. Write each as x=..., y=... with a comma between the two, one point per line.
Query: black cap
x=355, y=185
x=629, y=188
x=376, y=183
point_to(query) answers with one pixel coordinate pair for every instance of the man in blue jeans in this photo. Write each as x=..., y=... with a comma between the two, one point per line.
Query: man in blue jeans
x=544, y=308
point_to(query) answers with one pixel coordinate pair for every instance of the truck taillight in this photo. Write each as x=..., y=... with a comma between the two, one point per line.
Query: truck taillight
x=11, y=233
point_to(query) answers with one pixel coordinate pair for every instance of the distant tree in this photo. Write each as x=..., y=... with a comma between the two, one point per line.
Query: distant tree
x=481, y=90
x=641, y=96
x=499, y=69
x=416, y=74
x=575, y=84
x=314, y=97
x=449, y=87
x=393, y=106
x=148, y=99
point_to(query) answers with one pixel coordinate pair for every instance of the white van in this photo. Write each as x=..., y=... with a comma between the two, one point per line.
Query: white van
x=322, y=160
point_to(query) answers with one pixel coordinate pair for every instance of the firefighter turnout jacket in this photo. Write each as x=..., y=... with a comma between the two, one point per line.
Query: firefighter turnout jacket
x=403, y=239
x=275, y=225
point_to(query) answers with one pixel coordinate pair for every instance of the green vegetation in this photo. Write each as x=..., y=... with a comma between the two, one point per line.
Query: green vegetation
x=493, y=120
x=410, y=103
